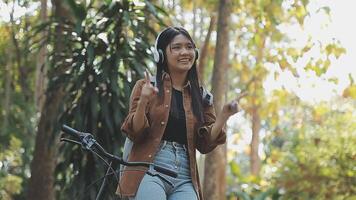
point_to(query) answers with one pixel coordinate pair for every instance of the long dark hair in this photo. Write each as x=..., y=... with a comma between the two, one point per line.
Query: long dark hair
x=163, y=40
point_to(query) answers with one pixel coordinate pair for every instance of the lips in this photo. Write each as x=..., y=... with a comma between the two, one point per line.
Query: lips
x=184, y=60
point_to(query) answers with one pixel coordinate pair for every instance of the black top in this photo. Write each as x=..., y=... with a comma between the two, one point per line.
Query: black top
x=176, y=128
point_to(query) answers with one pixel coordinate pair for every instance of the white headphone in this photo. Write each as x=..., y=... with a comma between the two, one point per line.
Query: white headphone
x=158, y=55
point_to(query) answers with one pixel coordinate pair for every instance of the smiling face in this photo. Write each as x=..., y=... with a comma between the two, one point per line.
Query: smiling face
x=180, y=54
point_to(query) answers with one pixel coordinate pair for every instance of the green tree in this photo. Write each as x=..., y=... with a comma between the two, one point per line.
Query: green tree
x=10, y=165
x=260, y=43
x=316, y=159
x=98, y=54
x=17, y=111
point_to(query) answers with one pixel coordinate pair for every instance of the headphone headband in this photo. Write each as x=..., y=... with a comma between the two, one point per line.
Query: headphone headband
x=158, y=53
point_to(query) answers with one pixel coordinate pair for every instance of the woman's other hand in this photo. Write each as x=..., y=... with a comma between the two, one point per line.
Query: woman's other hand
x=232, y=107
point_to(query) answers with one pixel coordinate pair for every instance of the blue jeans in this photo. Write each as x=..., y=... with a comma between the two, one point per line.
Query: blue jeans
x=173, y=156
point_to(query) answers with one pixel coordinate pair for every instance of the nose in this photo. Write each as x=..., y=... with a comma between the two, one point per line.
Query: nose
x=186, y=51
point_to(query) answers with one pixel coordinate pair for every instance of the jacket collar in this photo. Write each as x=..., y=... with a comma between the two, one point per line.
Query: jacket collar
x=167, y=77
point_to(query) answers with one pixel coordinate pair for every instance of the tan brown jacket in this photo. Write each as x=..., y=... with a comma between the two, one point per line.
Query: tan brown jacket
x=146, y=141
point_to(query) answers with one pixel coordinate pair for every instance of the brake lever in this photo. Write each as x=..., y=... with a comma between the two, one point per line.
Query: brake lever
x=86, y=143
x=70, y=141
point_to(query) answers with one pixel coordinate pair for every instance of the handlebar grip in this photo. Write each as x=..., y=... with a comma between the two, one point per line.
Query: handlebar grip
x=71, y=131
x=166, y=171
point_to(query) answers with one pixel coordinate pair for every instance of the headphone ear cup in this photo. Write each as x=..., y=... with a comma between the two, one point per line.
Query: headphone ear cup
x=196, y=54
x=161, y=56
x=155, y=55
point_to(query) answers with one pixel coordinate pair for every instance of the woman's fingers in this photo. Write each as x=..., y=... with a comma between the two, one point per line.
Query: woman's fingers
x=233, y=106
x=240, y=96
x=155, y=89
x=147, y=77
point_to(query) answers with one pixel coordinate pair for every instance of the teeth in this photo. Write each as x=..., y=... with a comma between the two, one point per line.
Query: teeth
x=184, y=60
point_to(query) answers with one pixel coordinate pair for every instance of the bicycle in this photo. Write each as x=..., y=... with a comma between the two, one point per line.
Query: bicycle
x=87, y=142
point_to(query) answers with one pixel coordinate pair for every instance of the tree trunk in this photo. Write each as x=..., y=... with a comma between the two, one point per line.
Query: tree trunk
x=19, y=54
x=204, y=50
x=194, y=20
x=41, y=183
x=255, y=163
x=215, y=162
x=256, y=126
x=41, y=69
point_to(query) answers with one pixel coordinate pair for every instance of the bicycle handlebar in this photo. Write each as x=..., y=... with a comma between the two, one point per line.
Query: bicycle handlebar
x=87, y=141
x=71, y=131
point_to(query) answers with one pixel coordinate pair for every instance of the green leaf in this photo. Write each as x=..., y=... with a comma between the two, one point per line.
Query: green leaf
x=94, y=104
x=235, y=169
x=90, y=52
x=264, y=195
x=326, y=9
x=242, y=195
x=79, y=10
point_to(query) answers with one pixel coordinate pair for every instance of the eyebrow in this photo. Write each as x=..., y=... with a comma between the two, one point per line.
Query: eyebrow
x=180, y=43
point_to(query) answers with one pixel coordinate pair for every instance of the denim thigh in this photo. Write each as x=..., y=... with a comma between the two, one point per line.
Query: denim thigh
x=151, y=188
x=173, y=156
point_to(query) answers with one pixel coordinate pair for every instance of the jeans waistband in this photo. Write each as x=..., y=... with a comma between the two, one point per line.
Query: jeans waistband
x=172, y=143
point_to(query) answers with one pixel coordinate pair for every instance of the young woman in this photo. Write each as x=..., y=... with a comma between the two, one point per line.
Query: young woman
x=170, y=117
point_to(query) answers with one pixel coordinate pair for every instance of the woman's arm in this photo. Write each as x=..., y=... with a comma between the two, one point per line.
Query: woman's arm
x=136, y=121
x=218, y=126
x=132, y=126
x=205, y=142
x=212, y=133
x=139, y=118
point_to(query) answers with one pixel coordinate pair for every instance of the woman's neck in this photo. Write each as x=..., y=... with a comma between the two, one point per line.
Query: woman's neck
x=178, y=80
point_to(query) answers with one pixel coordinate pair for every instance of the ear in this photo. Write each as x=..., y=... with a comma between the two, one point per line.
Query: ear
x=196, y=53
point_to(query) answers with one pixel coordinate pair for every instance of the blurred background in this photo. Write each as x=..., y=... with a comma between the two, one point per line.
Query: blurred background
x=75, y=62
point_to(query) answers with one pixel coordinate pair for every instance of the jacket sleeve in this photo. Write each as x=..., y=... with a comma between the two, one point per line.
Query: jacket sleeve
x=204, y=143
x=127, y=126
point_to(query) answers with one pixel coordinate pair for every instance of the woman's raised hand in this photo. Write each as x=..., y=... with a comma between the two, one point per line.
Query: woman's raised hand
x=148, y=90
x=231, y=108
